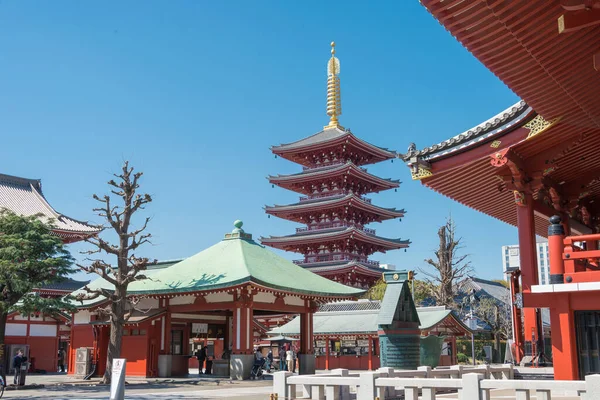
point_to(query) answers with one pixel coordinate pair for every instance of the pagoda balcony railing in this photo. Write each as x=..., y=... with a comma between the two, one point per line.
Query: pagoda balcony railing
x=331, y=195
x=332, y=257
x=332, y=225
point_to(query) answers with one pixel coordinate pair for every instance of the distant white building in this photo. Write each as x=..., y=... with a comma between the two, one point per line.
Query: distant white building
x=510, y=259
x=390, y=267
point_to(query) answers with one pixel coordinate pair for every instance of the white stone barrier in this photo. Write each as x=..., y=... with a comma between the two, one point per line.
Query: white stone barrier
x=388, y=383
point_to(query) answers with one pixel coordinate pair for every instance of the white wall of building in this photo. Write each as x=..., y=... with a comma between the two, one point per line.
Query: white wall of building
x=510, y=259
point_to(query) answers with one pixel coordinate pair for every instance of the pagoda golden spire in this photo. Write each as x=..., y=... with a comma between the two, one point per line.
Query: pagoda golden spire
x=334, y=98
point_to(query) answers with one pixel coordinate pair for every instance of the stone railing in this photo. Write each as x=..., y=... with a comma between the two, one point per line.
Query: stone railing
x=386, y=383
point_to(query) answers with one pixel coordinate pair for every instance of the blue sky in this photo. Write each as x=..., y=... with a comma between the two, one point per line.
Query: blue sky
x=195, y=92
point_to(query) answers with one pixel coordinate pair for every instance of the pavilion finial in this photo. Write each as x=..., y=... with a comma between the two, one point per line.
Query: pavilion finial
x=334, y=98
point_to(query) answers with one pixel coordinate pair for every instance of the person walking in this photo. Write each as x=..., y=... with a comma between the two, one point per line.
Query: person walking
x=290, y=357
x=18, y=360
x=270, y=359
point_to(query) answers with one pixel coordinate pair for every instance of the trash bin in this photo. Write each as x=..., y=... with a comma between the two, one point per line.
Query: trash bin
x=23, y=373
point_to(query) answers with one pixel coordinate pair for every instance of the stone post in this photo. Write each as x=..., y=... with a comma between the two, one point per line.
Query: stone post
x=280, y=386
x=471, y=387
x=592, y=387
x=366, y=386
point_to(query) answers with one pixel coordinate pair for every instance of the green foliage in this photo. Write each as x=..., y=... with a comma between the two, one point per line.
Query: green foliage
x=421, y=292
x=462, y=358
x=30, y=257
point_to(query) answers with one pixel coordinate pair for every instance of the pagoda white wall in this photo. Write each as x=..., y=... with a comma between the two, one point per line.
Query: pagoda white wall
x=188, y=299
x=262, y=297
x=294, y=301
x=219, y=297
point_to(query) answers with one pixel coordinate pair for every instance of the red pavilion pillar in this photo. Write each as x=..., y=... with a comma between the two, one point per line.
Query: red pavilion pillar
x=306, y=355
x=528, y=261
x=242, y=356
x=370, y=353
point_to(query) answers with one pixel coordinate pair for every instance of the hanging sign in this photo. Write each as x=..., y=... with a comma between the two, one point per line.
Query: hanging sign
x=320, y=343
x=363, y=343
x=349, y=343
x=199, y=327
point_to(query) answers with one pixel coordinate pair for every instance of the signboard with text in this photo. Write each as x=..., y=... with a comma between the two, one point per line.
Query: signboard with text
x=117, y=383
x=198, y=327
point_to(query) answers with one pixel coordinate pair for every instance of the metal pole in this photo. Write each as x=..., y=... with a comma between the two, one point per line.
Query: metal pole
x=472, y=334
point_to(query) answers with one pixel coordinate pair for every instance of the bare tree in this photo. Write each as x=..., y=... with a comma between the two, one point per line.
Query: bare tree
x=450, y=267
x=497, y=315
x=118, y=218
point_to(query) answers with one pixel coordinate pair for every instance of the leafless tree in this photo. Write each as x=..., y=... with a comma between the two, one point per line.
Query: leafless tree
x=450, y=266
x=497, y=315
x=117, y=210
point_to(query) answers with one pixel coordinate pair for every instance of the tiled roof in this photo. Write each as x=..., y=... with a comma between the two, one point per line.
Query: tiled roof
x=360, y=317
x=325, y=136
x=508, y=118
x=311, y=173
x=233, y=261
x=67, y=285
x=324, y=201
x=24, y=197
x=325, y=233
x=491, y=288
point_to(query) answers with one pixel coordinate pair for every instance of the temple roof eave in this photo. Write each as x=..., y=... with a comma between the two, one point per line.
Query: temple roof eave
x=331, y=137
x=338, y=201
x=513, y=117
x=336, y=234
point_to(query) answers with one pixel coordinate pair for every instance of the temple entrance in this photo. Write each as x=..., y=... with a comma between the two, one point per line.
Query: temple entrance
x=587, y=327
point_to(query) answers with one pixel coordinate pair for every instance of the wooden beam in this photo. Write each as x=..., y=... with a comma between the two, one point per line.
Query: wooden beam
x=597, y=62
x=577, y=186
x=572, y=21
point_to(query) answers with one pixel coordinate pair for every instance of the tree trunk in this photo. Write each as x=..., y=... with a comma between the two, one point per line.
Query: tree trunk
x=4, y=361
x=497, y=347
x=117, y=321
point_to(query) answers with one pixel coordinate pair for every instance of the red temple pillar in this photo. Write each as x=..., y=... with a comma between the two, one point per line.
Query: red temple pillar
x=564, y=348
x=527, y=258
x=370, y=353
x=327, y=351
x=306, y=357
x=242, y=358
x=516, y=317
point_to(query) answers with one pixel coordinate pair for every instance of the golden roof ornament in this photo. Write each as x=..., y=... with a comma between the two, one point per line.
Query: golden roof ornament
x=334, y=98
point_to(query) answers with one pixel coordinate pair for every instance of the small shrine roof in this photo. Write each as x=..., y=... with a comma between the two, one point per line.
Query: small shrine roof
x=341, y=265
x=231, y=262
x=360, y=317
x=330, y=135
x=67, y=285
x=513, y=117
x=24, y=197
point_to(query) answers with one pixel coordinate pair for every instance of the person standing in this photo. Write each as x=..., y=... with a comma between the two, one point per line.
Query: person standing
x=201, y=355
x=290, y=357
x=270, y=359
x=282, y=363
x=18, y=360
x=61, y=360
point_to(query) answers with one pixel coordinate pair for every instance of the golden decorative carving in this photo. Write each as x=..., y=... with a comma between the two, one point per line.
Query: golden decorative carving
x=549, y=170
x=334, y=97
x=519, y=198
x=539, y=125
x=495, y=144
x=419, y=172
x=396, y=277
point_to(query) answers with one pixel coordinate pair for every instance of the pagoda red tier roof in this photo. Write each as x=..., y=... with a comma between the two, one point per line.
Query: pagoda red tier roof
x=346, y=267
x=291, y=242
x=309, y=181
x=330, y=141
x=355, y=204
x=554, y=154
x=24, y=197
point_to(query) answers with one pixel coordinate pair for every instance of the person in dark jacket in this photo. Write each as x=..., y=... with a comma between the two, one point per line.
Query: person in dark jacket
x=17, y=362
x=201, y=354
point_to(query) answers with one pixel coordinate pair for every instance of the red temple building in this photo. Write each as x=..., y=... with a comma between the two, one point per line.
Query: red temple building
x=535, y=165
x=335, y=242
x=40, y=336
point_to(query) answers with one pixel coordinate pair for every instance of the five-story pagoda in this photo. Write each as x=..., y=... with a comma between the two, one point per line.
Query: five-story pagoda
x=335, y=242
